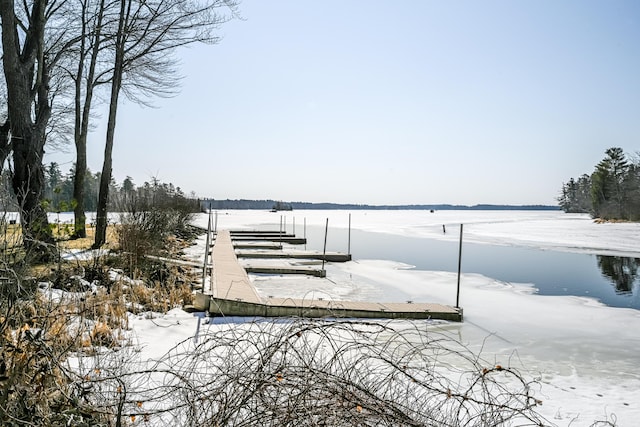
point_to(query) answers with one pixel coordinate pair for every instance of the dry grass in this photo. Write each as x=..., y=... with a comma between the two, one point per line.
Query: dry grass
x=12, y=236
x=39, y=330
x=86, y=242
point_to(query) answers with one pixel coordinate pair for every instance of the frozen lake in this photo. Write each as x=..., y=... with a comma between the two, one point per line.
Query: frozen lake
x=533, y=292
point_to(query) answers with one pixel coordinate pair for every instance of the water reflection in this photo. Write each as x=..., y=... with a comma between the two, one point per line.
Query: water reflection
x=622, y=271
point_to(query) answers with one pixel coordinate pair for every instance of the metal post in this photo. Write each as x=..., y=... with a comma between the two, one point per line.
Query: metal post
x=324, y=251
x=349, y=238
x=215, y=229
x=294, y=226
x=459, y=268
x=206, y=251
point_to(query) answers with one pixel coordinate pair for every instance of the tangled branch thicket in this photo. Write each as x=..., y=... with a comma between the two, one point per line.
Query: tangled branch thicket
x=302, y=372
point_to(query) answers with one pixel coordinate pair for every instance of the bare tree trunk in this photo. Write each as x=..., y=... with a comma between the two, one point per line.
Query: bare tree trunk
x=80, y=218
x=105, y=177
x=27, y=87
x=82, y=118
x=155, y=28
x=28, y=184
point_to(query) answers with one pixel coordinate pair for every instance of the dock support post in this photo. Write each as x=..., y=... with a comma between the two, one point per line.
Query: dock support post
x=206, y=251
x=459, y=268
x=324, y=251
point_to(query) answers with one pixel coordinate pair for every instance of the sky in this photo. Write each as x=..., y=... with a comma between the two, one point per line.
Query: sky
x=409, y=102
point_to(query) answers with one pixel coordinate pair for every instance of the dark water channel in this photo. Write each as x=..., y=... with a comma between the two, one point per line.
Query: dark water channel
x=612, y=280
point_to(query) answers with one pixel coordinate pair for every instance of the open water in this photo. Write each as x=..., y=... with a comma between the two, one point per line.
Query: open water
x=612, y=280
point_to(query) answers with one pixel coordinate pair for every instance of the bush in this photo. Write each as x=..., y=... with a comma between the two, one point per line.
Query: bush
x=301, y=372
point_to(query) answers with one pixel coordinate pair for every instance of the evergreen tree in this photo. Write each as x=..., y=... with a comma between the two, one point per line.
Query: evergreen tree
x=53, y=181
x=575, y=195
x=607, y=185
x=612, y=191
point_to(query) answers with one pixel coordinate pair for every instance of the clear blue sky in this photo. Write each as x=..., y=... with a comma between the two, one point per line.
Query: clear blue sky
x=381, y=102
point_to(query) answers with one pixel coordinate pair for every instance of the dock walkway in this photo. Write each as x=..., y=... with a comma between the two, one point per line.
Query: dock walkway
x=229, y=279
x=233, y=294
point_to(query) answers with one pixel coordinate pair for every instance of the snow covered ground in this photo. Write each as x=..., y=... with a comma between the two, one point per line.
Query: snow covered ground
x=585, y=355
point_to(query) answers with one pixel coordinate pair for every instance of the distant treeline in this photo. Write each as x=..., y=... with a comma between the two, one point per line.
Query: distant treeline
x=271, y=204
x=58, y=193
x=612, y=191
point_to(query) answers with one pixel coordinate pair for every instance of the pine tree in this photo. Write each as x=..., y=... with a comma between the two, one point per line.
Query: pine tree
x=607, y=185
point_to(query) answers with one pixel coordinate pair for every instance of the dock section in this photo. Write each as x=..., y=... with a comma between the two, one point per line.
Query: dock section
x=232, y=294
x=229, y=280
x=273, y=238
x=272, y=254
x=288, y=307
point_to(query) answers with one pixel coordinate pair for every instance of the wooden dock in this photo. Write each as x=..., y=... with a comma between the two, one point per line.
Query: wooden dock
x=281, y=239
x=258, y=245
x=232, y=294
x=286, y=269
x=269, y=254
x=281, y=307
x=229, y=279
x=258, y=235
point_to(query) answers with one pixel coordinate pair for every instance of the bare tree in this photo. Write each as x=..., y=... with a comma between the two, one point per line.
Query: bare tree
x=147, y=35
x=26, y=70
x=86, y=78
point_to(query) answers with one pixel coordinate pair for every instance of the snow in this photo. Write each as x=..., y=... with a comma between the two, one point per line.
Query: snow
x=83, y=254
x=539, y=229
x=585, y=355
